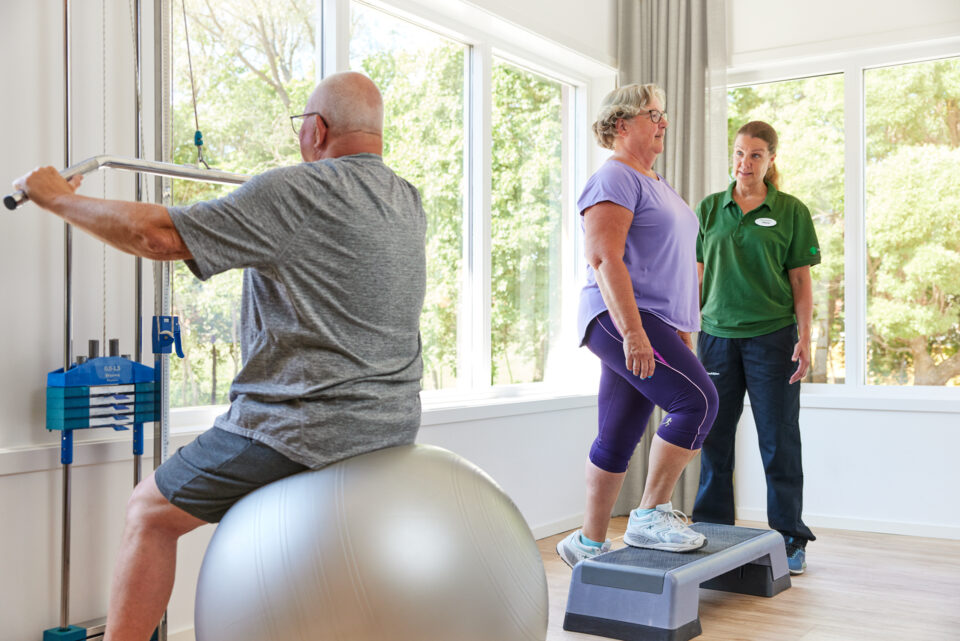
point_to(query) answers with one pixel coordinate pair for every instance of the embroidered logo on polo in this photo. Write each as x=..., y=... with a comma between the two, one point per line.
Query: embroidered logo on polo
x=766, y=222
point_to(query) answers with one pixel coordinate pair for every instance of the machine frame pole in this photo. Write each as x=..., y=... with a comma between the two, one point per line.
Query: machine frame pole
x=67, y=327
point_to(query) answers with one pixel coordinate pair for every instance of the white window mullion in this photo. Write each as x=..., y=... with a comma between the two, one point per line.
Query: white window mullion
x=335, y=37
x=855, y=264
x=570, y=250
x=467, y=311
x=568, y=96
x=481, y=267
x=474, y=323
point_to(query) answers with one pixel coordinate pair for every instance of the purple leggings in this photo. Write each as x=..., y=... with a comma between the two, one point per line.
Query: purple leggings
x=679, y=385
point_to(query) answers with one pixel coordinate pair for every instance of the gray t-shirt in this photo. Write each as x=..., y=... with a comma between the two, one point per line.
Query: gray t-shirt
x=332, y=290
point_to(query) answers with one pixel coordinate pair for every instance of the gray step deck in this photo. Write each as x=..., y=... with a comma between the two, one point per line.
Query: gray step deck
x=637, y=594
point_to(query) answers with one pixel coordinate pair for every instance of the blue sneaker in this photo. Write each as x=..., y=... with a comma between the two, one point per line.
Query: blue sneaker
x=572, y=550
x=796, y=555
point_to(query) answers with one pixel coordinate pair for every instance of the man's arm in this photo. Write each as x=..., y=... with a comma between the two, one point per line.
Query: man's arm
x=141, y=229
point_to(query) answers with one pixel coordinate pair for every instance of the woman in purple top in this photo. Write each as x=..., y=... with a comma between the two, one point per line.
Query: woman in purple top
x=637, y=312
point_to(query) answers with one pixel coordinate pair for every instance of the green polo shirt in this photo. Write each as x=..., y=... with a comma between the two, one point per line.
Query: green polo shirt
x=746, y=257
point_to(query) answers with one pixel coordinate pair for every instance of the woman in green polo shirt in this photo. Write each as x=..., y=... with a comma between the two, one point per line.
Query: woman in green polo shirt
x=754, y=253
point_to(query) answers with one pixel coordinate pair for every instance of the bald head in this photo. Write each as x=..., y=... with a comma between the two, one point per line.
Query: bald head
x=350, y=102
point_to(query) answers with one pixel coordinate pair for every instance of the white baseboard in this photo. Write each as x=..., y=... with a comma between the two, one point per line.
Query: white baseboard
x=928, y=530
x=556, y=527
x=181, y=635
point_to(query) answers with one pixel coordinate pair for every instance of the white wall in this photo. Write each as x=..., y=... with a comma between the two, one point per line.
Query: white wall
x=889, y=470
x=31, y=338
x=760, y=32
x=587, y=27
x=535, y=448
x=31, y=243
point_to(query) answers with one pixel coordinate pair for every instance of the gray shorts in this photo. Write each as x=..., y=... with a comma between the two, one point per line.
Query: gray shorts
x=206, y=477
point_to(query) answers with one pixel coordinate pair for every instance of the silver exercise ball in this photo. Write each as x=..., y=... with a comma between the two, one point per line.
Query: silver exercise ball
x=409, y=543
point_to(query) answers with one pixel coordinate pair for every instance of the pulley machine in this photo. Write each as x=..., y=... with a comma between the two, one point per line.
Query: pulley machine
x=112, y=390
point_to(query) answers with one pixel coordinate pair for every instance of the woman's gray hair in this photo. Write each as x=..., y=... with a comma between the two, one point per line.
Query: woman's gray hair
x=625, y=102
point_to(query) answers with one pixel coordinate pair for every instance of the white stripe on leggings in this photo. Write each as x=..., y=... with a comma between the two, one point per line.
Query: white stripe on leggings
x=657, y=355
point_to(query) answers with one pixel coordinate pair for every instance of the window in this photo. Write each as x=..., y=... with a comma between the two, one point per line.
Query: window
x=808, y=117
x=253, y=66
x=422, y=77
x=912, y=118
x=495, y=263
x=486, y=134
x=525, y=224
x=874, y=151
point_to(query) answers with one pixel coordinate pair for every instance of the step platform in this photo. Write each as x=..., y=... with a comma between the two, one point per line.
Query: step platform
x=637, y=594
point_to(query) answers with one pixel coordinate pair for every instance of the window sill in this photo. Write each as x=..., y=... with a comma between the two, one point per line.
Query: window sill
x=877, y=398
x=481, y=407
x=438, y=407
x=449, y=407
x=444, y=409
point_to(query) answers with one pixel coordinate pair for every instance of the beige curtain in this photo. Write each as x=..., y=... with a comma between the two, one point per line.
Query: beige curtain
x=681, y=46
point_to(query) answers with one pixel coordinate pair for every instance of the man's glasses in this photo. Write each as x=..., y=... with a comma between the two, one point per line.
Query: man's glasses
x=297, y=121
x=655, y=115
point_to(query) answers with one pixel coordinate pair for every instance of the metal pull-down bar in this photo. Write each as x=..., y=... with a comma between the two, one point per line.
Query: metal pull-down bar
x=152, y=167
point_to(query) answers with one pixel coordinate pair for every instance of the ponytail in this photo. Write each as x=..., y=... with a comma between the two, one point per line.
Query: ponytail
x=773, y=176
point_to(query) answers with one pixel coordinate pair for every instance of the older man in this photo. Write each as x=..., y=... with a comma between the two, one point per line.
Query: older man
x=334, y=282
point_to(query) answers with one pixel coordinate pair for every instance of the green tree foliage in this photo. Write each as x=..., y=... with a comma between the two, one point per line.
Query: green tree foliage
x=525, y=223
x=808, y=117
x=913, y=223
x=912, y=216
x=912, y=105
x=421, y=77
x=252, y=68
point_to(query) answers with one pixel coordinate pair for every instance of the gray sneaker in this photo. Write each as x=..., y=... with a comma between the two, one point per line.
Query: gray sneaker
x=662, y=529
x=572, y=550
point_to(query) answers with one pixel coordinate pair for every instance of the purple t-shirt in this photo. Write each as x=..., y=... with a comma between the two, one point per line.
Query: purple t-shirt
x=660, y=251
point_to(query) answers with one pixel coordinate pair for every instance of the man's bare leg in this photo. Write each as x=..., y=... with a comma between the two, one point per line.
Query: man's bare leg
x=146, y=564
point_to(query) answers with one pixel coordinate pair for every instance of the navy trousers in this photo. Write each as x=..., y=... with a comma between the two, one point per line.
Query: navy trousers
x=761, y=367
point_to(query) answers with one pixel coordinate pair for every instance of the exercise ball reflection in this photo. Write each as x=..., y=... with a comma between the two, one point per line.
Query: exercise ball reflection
x=409, y=543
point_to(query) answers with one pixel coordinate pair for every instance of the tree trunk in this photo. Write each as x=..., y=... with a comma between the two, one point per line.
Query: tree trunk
x=540, y=358
x=821, y=351
x=189, y=382
x=213, y=373
x=925, y=370
x=953, y=122
x=235, y=338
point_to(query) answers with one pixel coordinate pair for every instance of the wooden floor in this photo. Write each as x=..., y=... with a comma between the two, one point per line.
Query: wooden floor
x=858, y=586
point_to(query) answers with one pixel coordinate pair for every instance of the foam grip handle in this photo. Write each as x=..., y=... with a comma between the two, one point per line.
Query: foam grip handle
x=14, y=200
x=17, y=198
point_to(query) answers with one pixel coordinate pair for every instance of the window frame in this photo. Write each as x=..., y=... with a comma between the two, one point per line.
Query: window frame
x=489, y=39
x=855, y=392
x=585, y=81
